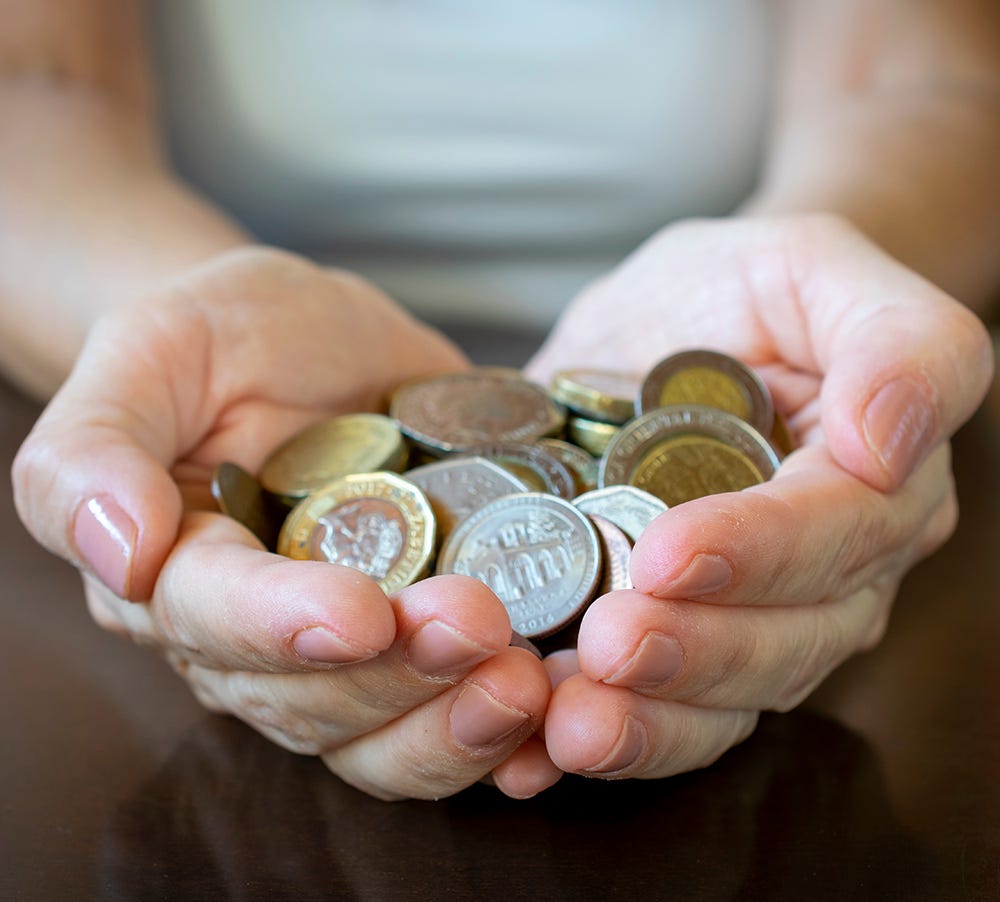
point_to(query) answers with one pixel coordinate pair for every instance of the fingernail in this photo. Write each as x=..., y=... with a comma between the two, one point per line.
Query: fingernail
x=478, y=719
x=706, y=574
x=656, y=661
x=897, y=424
x=325, y=647
x=627, y=750
x=436, y=649
x=105, y=536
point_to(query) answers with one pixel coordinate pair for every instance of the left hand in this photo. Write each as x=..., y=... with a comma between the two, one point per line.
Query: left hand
x=745, y=602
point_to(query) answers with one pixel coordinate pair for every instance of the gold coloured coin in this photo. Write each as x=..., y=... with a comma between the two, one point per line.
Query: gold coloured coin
x=709, y=379
x=581, y=464
x=353, y=443
x=683, y=452
x=378, y=523
x=239, y=496
x=781, y=436
x=596, y=394
x=591, y=435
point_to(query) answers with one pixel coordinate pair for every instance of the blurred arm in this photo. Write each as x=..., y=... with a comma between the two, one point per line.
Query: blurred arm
x=889, y=115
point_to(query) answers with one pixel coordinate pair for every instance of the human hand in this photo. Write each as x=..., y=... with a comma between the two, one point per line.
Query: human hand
x=746, y=601
x=414, y=695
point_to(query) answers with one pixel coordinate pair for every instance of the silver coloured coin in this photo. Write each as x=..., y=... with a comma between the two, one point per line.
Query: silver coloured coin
x=460, y=485
x=538, y=553
x=629, y=508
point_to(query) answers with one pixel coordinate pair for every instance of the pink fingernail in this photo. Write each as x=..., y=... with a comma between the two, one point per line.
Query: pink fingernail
x=631, y=745
x=319, y=644
x=897, y=425
x=105, y=536
x=437, y=650
x=656, y=661
x=478, y=719
x=707, y=573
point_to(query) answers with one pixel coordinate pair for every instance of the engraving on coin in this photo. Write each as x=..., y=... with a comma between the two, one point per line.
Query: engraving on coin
x=538, y=553
x=353, y=443
x=378, y=523
x=629, y=508
x=239, y=496
x=532, y=464
x=457, y=411
x=616, y=549
x=458, y=486
x=708, y=379
x=679, y=453
x=603, y=395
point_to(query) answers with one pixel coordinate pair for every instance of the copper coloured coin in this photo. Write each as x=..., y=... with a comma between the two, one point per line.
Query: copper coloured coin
x=378, y=523
x=458, y=411
x=680, y=453
x=708, y=379
x=240, y=496
x=539, y=554
x=616, y=550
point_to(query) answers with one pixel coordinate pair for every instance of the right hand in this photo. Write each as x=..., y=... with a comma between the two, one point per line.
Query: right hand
x=416, y=695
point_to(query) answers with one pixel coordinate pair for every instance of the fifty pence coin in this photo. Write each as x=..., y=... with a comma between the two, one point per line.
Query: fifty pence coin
x=240, y=496
x=353, y=443
x=378, y=523
x=458, y=486
x=680, y=453
x=458, y=411
x=629, y=508
x=709, y=379
x=539, y=554
x=597, y=394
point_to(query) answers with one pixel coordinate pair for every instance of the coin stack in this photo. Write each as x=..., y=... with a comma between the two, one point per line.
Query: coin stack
x=540, y=494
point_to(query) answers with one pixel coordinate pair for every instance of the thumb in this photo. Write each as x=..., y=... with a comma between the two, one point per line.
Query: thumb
x=905, y=365
x=91, y=481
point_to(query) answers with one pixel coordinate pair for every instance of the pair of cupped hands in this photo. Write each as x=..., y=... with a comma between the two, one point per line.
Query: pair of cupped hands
x=741, y=603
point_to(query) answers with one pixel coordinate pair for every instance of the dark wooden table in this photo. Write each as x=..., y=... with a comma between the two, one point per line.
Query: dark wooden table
x=114, y=784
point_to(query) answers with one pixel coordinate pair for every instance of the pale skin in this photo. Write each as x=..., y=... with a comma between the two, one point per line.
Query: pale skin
x=742, y=603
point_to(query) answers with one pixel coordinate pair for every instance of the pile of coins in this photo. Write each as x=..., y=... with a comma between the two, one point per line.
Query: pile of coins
x=540, y=494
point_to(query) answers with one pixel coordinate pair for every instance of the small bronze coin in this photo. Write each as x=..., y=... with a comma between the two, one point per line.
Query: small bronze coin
x=581, y=464
x=629, y=508
x=353, y=443
x=684, y=452
x=596, y=394
x=460, y=485
x=240, y=496
x=458, y=411
x=591, y=435
x=616, y=549
x=378, y=523
x=708, y=379
x=538, y=553
x=533, y=465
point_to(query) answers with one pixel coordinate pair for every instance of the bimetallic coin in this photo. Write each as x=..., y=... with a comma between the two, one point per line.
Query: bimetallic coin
x=354, y=443
x=458, y=486
x=378, y=523
x=532, y=464
x=240, y=496
x=591, y=435
x=458, y=411
x=616, y=549
x=539, y=554
x=629, y=508
x=581, y=465
x=595, y=394
x=680, y=453
x=708, y=379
